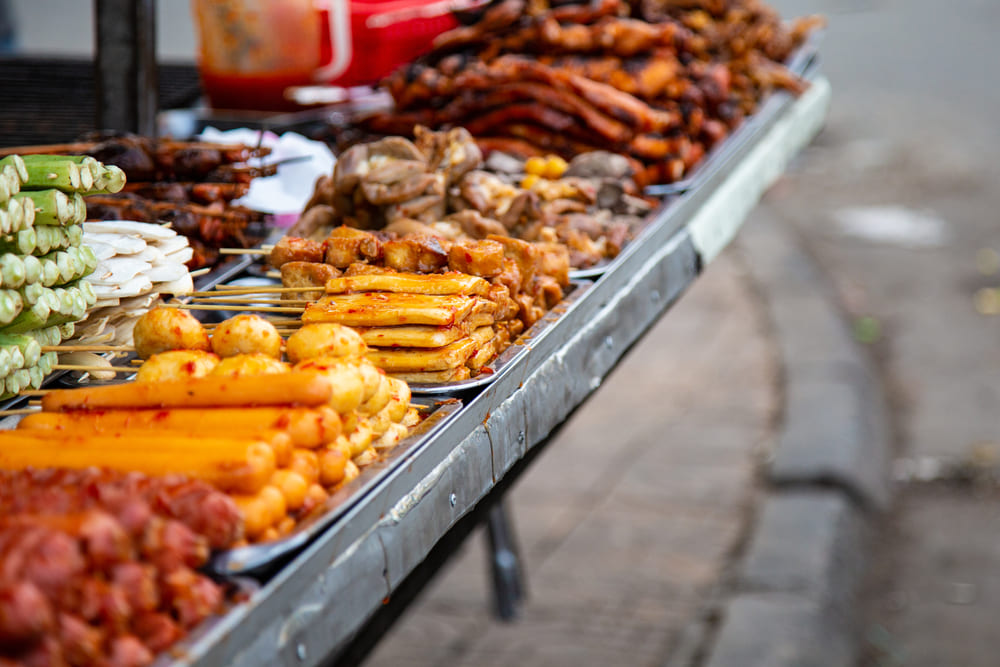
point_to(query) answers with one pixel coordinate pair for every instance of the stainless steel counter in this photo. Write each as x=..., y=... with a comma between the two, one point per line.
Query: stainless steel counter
x=311, y=609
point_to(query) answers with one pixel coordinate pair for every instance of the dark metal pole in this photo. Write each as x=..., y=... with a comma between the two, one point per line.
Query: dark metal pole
x=125, y=32
x=505, y=564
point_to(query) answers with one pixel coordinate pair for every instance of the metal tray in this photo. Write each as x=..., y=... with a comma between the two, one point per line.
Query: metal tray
x=508, y=357
x=260, y=560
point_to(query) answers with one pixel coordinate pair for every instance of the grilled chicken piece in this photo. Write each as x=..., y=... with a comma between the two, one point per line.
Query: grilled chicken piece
x=478, y=258
x=346, y=246
x=293, y=249
x=416, y=254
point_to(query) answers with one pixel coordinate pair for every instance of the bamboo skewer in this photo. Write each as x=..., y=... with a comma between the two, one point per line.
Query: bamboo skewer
x=251, y=301
x=19, y=411
x=241, y=290
x=237, y=308
x=243, y=251
x=197, y=273
x=33, y=392
x=88, y=348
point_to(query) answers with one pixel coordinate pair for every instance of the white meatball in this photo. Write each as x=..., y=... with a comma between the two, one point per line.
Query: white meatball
x=246, y=334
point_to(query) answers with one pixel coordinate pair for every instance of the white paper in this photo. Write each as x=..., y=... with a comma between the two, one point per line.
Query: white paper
x=287, y=192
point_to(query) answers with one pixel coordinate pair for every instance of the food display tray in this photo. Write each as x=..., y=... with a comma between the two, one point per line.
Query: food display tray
x=511, y=355
x=260, y=560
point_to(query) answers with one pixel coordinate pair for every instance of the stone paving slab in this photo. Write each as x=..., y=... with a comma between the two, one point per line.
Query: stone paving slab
x=628, y=518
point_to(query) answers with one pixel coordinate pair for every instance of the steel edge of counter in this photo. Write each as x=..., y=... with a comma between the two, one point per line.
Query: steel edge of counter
x=320, y=600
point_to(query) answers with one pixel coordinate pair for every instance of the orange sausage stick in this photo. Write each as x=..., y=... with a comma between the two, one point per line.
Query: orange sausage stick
x=230, y=464
x=294, y=388
x=308, y=428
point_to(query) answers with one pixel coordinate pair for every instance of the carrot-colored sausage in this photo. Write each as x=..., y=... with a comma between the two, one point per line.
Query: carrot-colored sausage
x=307, y=427
x=232, y=464
x=211, y=391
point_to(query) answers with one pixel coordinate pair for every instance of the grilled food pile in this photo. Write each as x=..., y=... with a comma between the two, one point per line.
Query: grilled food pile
x=44, y=263
x=191, y=185
x=224, y=408
x=100, y=567
x=658, y=81
x=423, y=328
x=439, y=185
x=136, y=263
x=431, y=310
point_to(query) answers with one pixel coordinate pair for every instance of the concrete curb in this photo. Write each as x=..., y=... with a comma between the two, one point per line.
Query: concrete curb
x=794, y=597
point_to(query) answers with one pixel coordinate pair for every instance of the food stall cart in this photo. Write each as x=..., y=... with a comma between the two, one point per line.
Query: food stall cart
x=327, y=596
x=331, y=601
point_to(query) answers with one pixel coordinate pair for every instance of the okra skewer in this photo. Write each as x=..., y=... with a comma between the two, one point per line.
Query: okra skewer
x=53, y=308
x=48, y=360
x=56, y=171
x=15, y=217
x=12, y=271
x=6, y=361
x=110, y=181
x=11, y=305
x=23, y=242
x=10, y=182
x=55, y=207
x=64, y=266
x=41, y=240
x=31, y=350
x=15, y=382
x=17, y=162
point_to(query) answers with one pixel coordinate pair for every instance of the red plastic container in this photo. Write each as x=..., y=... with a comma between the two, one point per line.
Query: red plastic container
x=390, y=33
x=250, y=51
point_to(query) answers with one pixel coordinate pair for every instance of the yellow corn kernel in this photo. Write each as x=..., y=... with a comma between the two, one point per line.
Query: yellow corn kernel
x=535, y=166
x=555, y=167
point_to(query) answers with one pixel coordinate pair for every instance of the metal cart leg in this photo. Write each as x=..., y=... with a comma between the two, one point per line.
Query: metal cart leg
x=505, y=565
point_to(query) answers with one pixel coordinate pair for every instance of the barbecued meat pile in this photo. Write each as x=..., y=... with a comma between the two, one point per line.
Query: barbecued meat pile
x=439, y=185
x=661, y=81
x=188, y=184
x=100, y=567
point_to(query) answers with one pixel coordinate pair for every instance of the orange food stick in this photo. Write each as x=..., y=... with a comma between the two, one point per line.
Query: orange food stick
x=231, y=464
x=307, y=427
x=295, y=388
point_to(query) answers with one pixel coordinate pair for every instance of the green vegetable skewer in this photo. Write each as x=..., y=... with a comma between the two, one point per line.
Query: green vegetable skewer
x=30, y=348
x=56, y=171
x=23, y=242
x=17, y=162
x=12, y=271
x=55, y=207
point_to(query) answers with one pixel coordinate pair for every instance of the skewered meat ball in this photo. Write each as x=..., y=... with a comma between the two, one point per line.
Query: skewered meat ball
x=162, y=329
x=324, y=340
x=176, y=365
x=246, y=334
x=344, y=375
x=250, y=364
